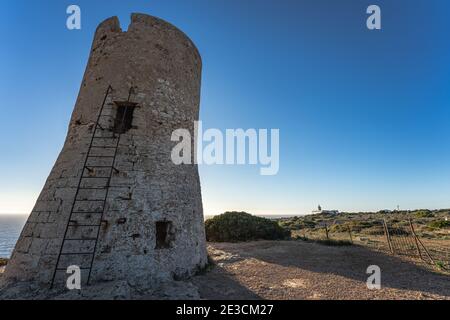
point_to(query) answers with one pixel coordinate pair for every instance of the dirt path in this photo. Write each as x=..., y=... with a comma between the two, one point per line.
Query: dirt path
x=300, y=270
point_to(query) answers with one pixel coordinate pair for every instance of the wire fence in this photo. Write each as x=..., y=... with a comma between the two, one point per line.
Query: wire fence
x=398, y=238
x=405, y=241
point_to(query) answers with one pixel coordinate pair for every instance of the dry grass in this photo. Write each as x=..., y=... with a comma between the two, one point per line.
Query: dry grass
x=367, y=229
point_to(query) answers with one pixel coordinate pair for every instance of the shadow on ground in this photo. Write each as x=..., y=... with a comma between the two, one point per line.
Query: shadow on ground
x=298, y=259
x=218, y=284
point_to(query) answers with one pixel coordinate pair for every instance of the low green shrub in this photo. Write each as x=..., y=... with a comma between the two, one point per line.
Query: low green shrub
x=297, y=224
x=343, y=227
x=424, y=214
x=358, y=226
x=3, y=262
x=440, y=265
x=374, y=231
x=241, y=226
x=440, y=224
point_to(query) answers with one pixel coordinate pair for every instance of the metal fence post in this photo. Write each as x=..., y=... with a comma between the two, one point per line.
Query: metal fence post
x=415, y=239
x=350, y=234
x=388, y=237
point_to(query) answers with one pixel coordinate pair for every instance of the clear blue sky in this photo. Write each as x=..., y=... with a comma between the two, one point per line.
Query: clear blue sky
x=363, y=115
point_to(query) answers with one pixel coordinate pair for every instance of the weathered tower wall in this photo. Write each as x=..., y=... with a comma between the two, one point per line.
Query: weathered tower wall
x=114, y=203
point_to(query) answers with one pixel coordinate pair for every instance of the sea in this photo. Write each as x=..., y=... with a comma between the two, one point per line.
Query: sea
x=10, y=227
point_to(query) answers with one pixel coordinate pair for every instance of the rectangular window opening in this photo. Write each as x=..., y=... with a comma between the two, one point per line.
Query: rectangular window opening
x=124, y=117
x=163, y=234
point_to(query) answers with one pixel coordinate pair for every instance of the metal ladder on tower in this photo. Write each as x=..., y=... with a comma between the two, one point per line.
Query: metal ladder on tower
x=88, y=208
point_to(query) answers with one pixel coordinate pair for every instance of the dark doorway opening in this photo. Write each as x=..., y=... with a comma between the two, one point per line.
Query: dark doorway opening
x=163, y=234
x=124, y=117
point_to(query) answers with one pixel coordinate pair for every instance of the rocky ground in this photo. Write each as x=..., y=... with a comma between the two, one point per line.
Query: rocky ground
x=291, y=270
x=302, y=270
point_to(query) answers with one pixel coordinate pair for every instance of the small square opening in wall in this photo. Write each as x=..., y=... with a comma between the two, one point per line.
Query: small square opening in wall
x=124, y=117
x=163, y=234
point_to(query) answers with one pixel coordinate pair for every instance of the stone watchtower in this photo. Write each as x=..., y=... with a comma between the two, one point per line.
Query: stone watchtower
x=114, y=204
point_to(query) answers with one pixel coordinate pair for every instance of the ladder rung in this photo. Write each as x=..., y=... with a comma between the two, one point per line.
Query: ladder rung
x=87, y=239
x=75, y=253
x=101, y=128
x=104, y=147
x=88, y=169
x=99, y=157
x=87, y=212
x=95, y=177
x=91, y=200
x=84, y=225
x=112, y=167
x=105, y=138
x=63, y=269
x=100, y=166
x=93, y=188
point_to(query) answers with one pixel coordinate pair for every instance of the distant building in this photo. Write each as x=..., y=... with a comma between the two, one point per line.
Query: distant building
x=321, y=211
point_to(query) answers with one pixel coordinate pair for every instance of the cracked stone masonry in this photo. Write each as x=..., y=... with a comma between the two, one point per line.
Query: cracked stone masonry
x=114, y=203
